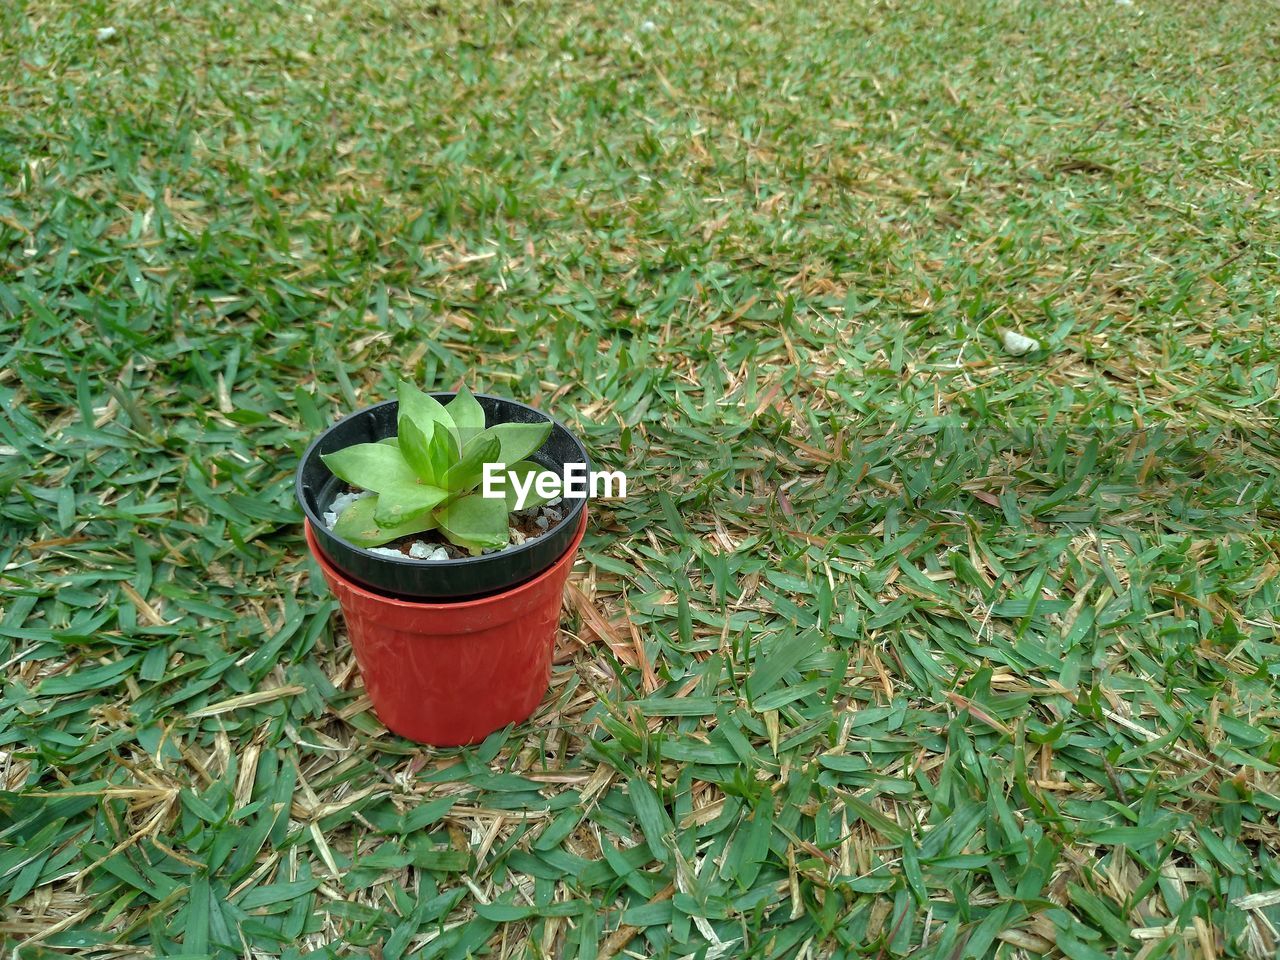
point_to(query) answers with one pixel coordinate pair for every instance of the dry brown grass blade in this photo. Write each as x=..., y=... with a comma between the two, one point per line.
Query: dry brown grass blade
x=246, y=700
x=618, y=940
x=601, y=627
x=648, y=678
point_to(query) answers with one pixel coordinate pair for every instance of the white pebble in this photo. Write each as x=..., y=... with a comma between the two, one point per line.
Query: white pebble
x=340, y=503
x=386, y=552
x=1016, y=345
x=421, y=550
x=105, y=33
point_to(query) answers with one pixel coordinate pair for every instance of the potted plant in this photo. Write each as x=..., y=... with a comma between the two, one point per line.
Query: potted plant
x=451, y=596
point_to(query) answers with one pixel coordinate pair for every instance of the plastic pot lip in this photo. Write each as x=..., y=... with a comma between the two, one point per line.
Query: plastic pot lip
x=449, y=606
x=413, y=563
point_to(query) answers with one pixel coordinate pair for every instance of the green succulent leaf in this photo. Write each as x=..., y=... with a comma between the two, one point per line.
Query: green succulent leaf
x=523, y=470
x=467, y=415
x=442, y=450
x=415, y=445
x=369, y=466
x=518, y=439
x=424, y=476
x=475, y=522
x=404, y=502
x=358, y=525
x=469, y=471
x=422, y=409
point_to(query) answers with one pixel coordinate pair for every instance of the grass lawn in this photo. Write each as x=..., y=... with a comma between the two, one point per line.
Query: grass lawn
x=901, y=645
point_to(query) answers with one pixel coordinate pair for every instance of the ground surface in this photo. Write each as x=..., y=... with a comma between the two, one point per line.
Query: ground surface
x=901, y=645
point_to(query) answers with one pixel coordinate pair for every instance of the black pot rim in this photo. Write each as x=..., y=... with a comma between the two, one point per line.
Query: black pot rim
x=572, y=517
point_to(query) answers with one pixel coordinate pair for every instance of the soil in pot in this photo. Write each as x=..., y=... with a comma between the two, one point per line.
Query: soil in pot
x=526, y=525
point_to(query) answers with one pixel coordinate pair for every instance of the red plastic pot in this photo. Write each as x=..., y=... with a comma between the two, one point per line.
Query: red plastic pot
x=449, y=674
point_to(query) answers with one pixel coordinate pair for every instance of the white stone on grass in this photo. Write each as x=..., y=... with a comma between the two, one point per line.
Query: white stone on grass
x=1016, y=345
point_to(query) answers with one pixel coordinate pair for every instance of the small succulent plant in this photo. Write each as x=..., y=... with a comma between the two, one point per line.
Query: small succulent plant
x=426, y=476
